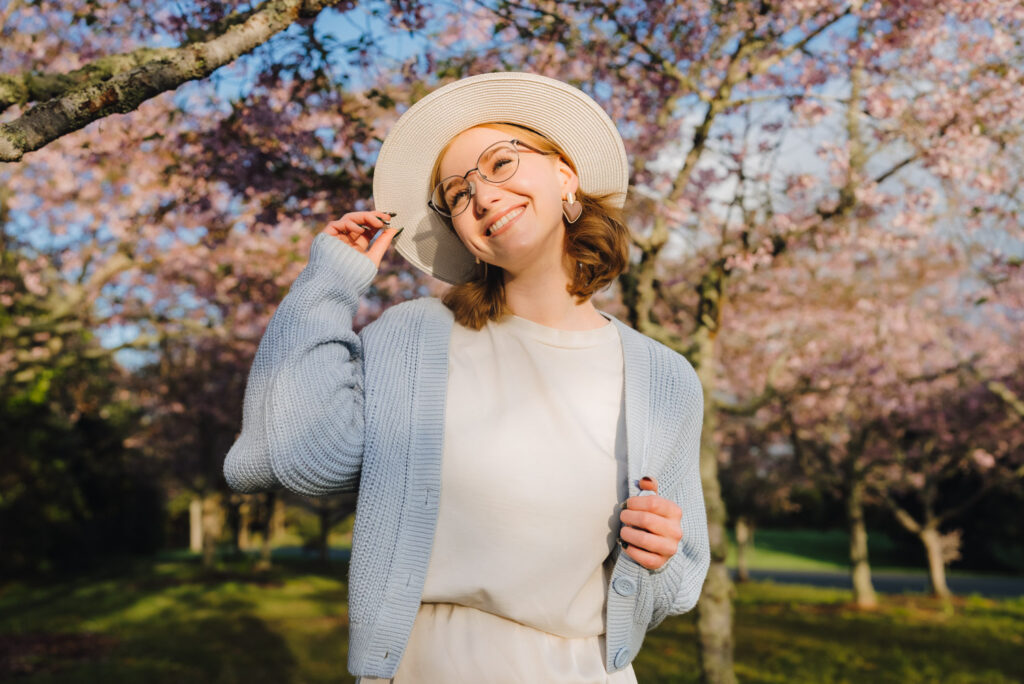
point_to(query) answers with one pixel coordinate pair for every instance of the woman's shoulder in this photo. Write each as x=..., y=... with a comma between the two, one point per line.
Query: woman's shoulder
x=431, y=306
x=663, y=359
x=409, y=317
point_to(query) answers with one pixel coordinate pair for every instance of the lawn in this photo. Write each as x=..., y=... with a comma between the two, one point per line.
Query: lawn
x=166, y=620
x=814, y=550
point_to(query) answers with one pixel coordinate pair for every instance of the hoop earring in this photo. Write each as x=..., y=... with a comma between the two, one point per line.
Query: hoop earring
x=572, y=208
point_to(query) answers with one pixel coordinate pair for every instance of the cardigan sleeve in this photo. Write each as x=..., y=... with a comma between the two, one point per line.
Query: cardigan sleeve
x=302, y=417
x=678, y=583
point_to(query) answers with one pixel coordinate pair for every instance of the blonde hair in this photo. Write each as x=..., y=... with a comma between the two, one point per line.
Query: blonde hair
x=598, y=242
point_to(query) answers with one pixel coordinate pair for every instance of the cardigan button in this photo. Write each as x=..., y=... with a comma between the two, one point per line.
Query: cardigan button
x=621, y=657
x=624, y=586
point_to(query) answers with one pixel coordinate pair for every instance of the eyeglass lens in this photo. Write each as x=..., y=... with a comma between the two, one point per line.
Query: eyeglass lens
x=496, y=165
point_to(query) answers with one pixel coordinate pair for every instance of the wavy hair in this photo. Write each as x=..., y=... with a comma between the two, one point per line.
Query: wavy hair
x=596, y=247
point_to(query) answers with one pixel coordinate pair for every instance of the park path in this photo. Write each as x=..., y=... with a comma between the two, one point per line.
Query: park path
x=898, y=583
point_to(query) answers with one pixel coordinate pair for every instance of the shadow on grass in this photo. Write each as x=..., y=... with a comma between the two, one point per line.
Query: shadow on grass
x=22, y=655
x=114, y=589
x=226, y=649
x=209, y=650
x=175, y=621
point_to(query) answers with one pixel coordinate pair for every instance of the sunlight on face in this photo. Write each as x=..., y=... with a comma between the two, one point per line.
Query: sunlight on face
x=515, y=222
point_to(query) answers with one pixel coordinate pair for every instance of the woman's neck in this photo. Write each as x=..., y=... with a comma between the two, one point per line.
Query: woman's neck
x=543, y=299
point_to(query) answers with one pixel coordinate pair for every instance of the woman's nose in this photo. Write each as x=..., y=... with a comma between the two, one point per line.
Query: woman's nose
x=485, y=194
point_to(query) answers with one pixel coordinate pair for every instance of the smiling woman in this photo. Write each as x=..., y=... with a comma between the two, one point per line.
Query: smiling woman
x=591, y=246
x=527, y=466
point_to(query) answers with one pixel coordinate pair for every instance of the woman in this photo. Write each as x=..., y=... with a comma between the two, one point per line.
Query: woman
x=502, y=440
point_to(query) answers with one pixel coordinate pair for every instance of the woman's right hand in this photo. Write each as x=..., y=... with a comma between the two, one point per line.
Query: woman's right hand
x=357, y=229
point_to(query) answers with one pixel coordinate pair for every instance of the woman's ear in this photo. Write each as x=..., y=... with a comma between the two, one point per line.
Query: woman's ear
x=570, y=181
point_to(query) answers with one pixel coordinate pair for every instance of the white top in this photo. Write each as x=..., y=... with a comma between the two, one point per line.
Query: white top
x=516, y=586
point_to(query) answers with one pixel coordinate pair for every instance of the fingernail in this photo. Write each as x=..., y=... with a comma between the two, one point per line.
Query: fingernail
x=623, y=543
x=386, y=223
x=392, y=214
x=399, y=230
x=622, y=505
x=646, y=478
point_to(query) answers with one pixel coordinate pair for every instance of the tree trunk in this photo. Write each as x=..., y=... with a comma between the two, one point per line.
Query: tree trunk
x=714, y=609
x=860, y=568
x=244, y=522
x=195, y=524
x=270, y=526
x=744, y=536
x=932, y=541
x=213, y=525
x=277, y=517
x=325, y=529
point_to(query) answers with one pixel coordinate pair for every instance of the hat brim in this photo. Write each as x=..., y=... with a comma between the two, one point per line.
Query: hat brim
x=557, y=110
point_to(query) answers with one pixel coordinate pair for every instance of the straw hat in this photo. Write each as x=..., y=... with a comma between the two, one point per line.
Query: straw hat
x=557, y=110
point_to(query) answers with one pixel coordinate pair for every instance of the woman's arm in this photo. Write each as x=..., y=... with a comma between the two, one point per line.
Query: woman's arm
x=302, y=424
x=678, y=583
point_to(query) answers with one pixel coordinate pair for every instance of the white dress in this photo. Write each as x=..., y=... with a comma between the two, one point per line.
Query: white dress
x=516, y=587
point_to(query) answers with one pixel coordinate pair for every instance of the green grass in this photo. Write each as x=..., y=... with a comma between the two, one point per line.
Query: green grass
x=825, y=551
x=814, y=550
x=169, y=621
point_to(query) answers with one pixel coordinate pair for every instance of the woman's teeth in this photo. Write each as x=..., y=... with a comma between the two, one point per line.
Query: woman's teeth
x=503, y=220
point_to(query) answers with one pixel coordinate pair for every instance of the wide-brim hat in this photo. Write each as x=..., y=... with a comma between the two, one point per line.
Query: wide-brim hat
x=564, y=114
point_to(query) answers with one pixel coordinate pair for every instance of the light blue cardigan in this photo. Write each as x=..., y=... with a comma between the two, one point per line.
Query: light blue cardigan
x=327, y=410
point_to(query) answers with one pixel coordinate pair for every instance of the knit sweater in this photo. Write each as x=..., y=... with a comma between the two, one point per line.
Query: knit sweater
x=328, y=410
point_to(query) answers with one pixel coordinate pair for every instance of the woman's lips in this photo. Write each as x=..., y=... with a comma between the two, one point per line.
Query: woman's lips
x=514, y=214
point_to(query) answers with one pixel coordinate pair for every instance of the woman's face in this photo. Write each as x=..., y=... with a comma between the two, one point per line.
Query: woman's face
x=534, y=235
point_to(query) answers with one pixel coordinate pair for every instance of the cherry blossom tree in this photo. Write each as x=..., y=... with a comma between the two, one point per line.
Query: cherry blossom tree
x=824, y=373
x=949, y=456
x=956, y=439
x=871, y=350
x=759, y=474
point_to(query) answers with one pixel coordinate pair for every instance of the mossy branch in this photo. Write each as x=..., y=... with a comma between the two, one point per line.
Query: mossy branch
x=120, y=83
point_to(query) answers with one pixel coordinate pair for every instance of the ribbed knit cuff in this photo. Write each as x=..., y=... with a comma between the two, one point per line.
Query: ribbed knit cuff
x=350, y=266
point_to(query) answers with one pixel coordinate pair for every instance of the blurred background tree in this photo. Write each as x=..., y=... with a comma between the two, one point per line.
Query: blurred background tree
x=71, y=492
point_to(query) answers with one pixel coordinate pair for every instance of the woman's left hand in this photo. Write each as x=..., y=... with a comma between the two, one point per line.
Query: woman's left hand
x=652, y=527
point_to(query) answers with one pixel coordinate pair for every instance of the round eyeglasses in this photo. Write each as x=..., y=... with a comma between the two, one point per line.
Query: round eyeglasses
x=495, y=165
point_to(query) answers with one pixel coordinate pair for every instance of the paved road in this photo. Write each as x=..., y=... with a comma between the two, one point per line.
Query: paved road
x=898, y=583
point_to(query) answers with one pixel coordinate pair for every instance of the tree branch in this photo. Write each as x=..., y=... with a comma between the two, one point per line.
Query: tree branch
x=902, y=516
x=771, y=60
x=124, y=91
x=753, y=404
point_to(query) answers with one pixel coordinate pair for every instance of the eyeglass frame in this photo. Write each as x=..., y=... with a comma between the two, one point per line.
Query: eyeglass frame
x=515, y=142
